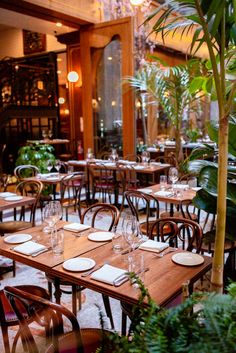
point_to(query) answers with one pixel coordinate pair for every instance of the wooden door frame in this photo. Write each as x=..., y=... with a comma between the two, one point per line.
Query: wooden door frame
x=98, y=36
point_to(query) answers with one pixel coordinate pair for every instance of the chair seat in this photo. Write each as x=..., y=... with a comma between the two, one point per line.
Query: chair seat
x=179, y=214
x=14, y=226
x=91, y=338
x=228, y=246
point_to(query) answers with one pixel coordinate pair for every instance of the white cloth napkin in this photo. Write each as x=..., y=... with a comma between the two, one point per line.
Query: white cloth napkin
x=108, y=274
x=29, y=248
x=152, y=245
x=145, y=191
x=6, y=194
x=181, y=186
x=164, y=193
x=139, y=167
x=76, y=227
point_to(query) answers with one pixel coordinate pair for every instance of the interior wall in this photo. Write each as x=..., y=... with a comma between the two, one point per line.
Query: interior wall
x=11, y=43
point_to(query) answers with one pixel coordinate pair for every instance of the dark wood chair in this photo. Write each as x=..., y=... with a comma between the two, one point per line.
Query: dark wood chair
x=91, y=216
x=71, y=187
x=144, y=207
x=8, y=317
x=43, y=312
x=25, y=188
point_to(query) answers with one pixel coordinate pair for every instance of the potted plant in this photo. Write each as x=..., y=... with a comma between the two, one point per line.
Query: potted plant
x=213, y=25
x=203, y=323
x=36, y=154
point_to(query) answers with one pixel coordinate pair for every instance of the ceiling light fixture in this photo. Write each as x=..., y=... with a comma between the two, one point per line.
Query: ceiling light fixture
x=59, y=24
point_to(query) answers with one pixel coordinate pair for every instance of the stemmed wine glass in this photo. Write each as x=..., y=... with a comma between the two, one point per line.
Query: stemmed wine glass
x=57, y=165
x=50, y=134
x=145, y=157
x=49, y=165
x=51, y=215
x=173, y=176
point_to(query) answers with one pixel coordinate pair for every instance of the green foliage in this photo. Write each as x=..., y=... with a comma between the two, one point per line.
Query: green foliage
x=193, y=134
x=37, y=155
x=207, y=171
x=209, y=328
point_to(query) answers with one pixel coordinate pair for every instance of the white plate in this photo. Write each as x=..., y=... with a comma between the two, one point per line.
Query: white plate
x=7, y=194
x=79, y=264
x=100, y=236
x=145, y=191
x=17, y=238
x=187, y=259
x=13, y=198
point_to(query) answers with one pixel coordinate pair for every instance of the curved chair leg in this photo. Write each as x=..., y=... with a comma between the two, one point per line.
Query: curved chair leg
x=123, y=324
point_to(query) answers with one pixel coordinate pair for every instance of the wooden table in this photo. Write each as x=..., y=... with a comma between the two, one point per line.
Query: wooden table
x=153, y=169
x=6, y=205
x=164, y=279
x=49, y=142
x=185, y=194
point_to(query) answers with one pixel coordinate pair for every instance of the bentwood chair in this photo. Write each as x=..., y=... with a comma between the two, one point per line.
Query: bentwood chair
x=71, y=187
x=31, y=188
x=8, y=317
x=94, y=216
x=144, y=207
x=25, y=171
x=183, y=233
x=56, y=317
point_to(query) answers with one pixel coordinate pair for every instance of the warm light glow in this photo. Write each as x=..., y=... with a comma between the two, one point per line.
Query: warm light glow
x=113, y=103
x=58, y=72
x=61, y=100
x=136, y=2
x=40, y=85
x=67, y=112
x=109, y=58
x=59, y=59
x=73, y=76
x=59, y=24
x=16, y=67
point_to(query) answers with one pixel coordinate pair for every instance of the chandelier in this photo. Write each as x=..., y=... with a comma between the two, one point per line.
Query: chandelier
x=139, y=9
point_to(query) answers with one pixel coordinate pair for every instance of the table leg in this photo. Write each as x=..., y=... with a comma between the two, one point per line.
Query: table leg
x=57, y=293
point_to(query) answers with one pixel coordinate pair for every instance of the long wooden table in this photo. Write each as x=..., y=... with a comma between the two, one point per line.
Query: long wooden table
x=163, y=280
x=153, y=169
x=6, y=205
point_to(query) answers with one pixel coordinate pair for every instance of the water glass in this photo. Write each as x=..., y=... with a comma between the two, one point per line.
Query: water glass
x=136, y=264
x=117, y=241
x=163, y=182
x=57, y=241
x=192, y=182
x=70, y=169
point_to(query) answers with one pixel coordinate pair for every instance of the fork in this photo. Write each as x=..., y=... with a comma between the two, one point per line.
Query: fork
x=165, y=252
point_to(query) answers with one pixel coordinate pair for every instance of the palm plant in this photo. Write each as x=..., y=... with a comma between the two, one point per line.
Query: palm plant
x=213, y=25
x=169, y=87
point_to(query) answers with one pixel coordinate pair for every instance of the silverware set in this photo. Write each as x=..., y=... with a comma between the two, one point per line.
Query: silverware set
x=165, y=252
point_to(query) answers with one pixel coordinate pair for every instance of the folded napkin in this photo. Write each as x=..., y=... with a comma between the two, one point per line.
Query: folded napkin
x=108, y=274
x=29, y=248
x=76, y=227
x=145, y=191
x=164, y=193
x=139, y=167
x=152, y=245
x=196, y=188
x=181, y=186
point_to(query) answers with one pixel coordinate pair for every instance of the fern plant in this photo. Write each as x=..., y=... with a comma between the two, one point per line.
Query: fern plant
x=209, y=328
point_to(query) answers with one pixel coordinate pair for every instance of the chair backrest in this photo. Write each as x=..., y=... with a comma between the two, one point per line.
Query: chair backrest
x=44, y=313
x=143, y=204
x=188, y=210
x=184, y=233
x=31, y=188
x=132, y=157
x=4, y=181
x=71, y=183
x=94, y=216
x=25, y=171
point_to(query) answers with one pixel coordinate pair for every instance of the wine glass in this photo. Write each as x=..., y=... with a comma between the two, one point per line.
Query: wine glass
x=51, y=215
x=49, y=165
x=44, y=134
x=50, y=134
x=145, y=157
x=57, y=165
x=173, y=176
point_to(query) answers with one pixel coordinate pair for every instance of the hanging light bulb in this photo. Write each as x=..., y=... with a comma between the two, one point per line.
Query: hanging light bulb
x=73, y=76
x=136, y=2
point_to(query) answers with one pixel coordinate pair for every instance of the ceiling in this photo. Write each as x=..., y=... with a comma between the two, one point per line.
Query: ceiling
x=10, y=19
